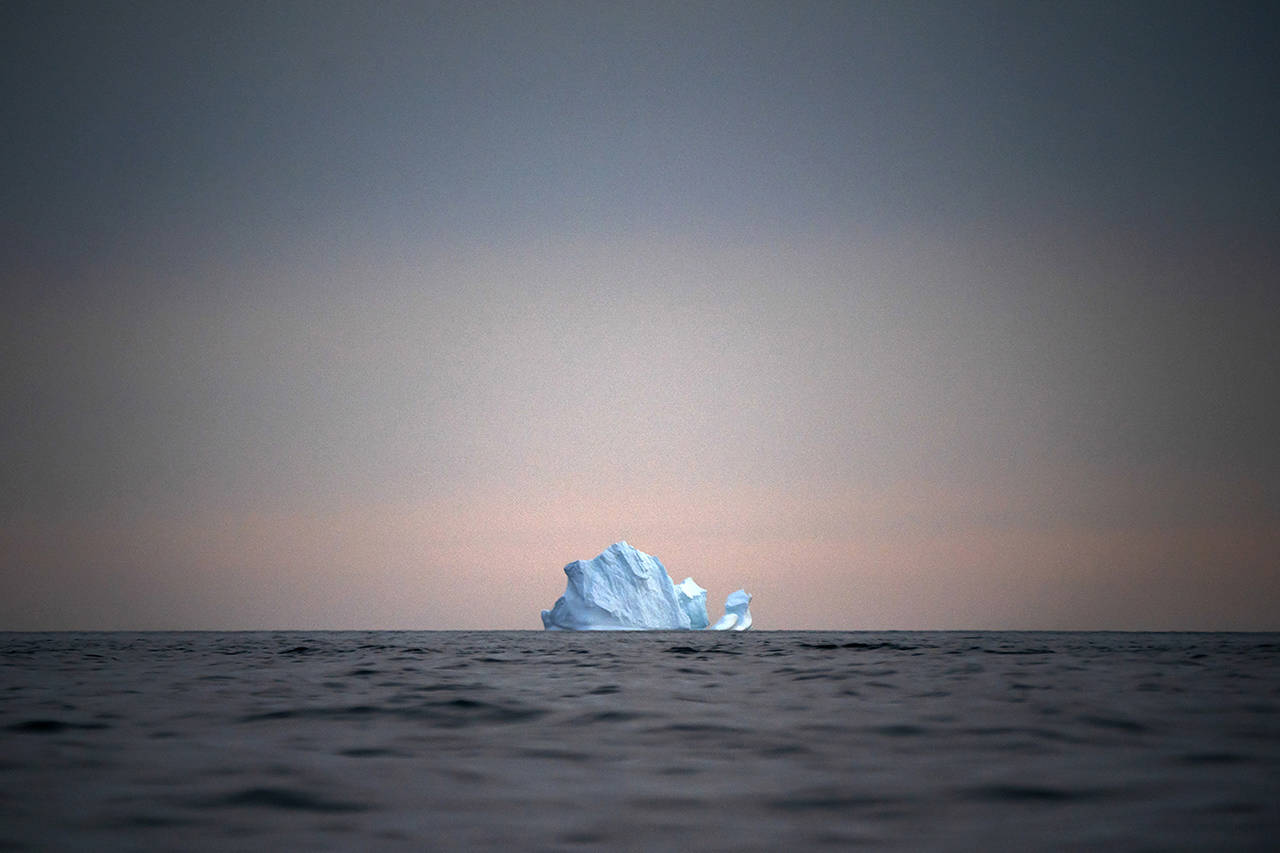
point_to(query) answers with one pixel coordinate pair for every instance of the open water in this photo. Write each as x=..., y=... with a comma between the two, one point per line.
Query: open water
x=647, y=741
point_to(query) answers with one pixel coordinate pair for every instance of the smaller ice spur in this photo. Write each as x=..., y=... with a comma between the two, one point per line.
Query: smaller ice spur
x=736, y=615
x=625, y=589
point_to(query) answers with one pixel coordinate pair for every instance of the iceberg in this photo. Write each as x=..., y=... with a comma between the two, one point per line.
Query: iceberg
x=736, y=615
x=625, y=589
x=620, y=589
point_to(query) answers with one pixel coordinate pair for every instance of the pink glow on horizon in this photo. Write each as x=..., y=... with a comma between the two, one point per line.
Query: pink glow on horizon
x=494, y=561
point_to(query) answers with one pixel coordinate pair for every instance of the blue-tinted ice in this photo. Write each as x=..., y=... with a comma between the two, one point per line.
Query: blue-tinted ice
x=625, y=589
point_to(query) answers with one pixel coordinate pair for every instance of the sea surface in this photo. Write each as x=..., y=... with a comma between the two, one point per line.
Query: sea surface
x=521, y=740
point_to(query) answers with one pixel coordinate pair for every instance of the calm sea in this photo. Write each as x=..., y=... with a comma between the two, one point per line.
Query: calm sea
x=646, y=741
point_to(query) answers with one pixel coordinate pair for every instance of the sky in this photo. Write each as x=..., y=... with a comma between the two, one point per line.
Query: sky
x=900, y=315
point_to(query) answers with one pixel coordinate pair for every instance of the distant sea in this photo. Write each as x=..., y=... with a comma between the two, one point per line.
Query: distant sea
x=520, y=740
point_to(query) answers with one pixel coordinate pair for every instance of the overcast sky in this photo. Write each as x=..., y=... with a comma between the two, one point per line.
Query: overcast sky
x=900, y=315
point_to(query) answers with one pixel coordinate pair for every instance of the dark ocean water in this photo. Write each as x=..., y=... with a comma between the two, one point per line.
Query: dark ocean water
x=647, y=741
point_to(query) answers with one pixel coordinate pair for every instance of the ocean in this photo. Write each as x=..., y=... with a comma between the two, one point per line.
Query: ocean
x=524, y=740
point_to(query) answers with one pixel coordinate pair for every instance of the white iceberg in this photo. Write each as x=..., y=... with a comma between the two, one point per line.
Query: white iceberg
x=624, y=589
x=621, y=589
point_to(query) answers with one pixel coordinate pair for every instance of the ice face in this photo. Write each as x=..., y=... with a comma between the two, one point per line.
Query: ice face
x=620, y=589
x=736, y=615
x=693, y=600
x=623, y=589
